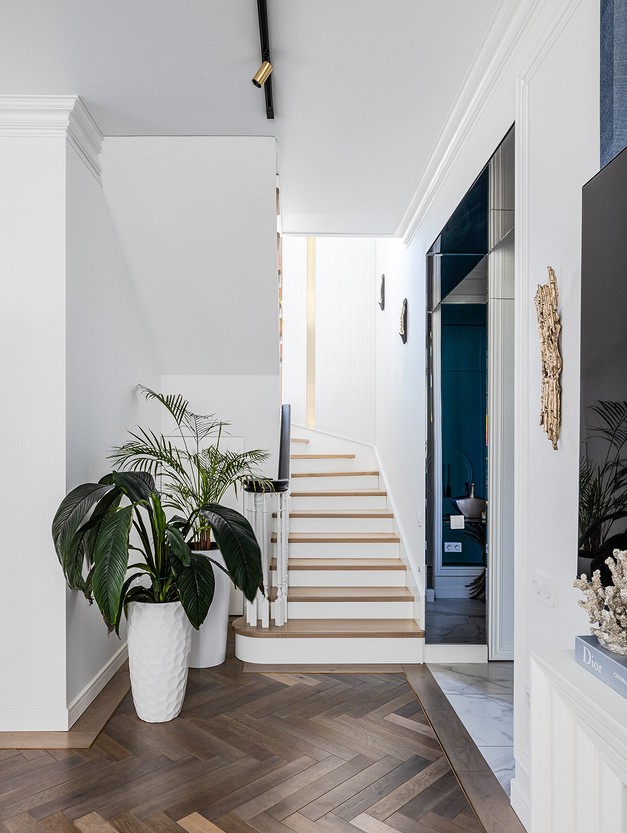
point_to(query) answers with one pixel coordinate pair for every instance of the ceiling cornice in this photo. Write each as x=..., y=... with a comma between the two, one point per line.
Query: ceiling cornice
x=54, y=116
x=499, y=46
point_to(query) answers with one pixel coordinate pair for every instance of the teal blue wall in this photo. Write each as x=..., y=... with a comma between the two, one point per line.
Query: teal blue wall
x=464, y=408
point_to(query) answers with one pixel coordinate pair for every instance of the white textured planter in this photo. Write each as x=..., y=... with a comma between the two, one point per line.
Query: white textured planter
x=209, y=641
x=159, y=639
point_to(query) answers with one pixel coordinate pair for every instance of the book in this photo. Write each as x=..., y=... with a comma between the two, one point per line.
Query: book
x=608, y=667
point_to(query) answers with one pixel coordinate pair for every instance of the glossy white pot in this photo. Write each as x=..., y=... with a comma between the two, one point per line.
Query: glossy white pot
x=159, y=640
x=209, y=642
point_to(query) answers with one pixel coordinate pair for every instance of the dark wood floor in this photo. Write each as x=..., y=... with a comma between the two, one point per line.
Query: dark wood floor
x=251, y=753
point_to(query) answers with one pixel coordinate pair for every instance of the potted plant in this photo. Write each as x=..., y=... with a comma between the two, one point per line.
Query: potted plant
x=116, y=544
x=194, y=471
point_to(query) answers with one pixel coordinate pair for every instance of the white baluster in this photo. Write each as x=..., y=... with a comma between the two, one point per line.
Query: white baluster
x=264, y=601
x=250, y=510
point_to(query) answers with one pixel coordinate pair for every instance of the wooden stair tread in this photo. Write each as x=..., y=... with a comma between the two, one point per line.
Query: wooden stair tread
x=334, y=628
x=335, y=474
x=299, y=440
x=343, y=493
x=340, y=513
x=322, y=456
x=349, y=594
x=341, y=538
x=343, y=564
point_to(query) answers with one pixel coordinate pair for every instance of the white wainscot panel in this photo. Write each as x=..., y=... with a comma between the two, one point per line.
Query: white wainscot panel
x=578, y=749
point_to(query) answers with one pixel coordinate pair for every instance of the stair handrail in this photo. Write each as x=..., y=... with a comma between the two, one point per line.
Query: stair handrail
x=257, y=496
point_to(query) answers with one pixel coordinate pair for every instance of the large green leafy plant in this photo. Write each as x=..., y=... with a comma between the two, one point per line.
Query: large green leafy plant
x=194, y=470
x=603, y=480
x=116, y=545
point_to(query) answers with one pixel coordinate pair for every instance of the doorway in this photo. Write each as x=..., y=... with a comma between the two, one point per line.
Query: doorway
x=470, y=488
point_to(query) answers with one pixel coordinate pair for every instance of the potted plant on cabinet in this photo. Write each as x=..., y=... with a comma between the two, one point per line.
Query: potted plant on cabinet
x=100, y=528
x=194, y=470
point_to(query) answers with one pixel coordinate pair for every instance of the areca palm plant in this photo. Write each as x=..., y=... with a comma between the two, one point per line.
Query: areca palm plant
x=117, y=546
x=193, y=469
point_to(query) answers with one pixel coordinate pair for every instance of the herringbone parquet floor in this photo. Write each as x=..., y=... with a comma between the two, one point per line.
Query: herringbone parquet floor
x=251, y=753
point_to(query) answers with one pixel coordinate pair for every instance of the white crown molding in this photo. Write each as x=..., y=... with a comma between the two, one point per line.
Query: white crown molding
x=499, y=46
x=53, y=116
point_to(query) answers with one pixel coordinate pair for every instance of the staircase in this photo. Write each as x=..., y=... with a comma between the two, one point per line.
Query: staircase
x=348, y=599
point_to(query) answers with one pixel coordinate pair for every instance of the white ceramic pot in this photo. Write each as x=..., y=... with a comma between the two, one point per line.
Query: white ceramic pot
x=159, y=640
x=209, y=642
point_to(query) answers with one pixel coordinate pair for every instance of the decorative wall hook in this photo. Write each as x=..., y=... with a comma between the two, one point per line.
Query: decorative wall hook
x=549, y=328
x=403, y=324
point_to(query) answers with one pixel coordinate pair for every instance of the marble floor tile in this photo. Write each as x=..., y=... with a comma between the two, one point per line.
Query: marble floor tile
x=488, y=720
x=494, y=678
x=482, y=695
x=500, y=759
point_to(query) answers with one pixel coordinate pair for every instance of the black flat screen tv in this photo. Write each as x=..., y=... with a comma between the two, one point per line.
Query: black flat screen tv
x=604, y=354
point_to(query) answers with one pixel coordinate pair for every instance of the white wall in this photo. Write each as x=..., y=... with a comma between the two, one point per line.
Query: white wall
x=555, y=47
x=346, y=305
x=196, y=217
x=294, y=371
x=32, y=428
x=109, y=351
x=401, y=390
x=345, y=308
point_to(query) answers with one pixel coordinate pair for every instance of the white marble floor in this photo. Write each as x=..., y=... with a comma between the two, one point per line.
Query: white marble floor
x=482, y=694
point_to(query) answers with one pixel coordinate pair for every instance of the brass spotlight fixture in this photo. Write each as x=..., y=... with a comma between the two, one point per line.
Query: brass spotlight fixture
x=262, y=74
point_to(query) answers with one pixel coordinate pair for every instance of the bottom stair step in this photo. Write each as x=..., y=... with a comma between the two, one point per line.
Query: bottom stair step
x=340, y=641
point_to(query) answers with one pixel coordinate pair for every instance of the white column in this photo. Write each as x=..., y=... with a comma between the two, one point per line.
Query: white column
x=34, y=136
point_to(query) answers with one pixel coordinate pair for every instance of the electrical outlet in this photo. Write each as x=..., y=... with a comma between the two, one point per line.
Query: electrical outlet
x=543, y=589
x=453, y=546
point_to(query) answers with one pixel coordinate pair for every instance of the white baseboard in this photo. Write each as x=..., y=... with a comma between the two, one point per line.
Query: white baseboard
x=34, y=720
x=95, y=686
x=520, y=804
x=448, y=654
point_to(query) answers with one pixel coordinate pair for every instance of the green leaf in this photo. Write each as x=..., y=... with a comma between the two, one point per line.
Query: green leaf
x=68, y=529
x=110, y=563
x=72, y=512
x=179, y=548
x=196, y=585
x=138, y=486
x=238, y=545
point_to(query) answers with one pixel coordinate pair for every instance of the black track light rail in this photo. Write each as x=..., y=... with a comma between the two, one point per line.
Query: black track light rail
x=264, y=37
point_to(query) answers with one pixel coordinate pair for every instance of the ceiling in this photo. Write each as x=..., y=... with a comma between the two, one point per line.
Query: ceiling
x=362, y=88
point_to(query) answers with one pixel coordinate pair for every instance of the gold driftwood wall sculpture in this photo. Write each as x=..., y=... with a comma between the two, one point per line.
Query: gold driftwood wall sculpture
x=549, y=328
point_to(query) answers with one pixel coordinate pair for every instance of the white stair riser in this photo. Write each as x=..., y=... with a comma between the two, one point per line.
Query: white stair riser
x=371, y=549
x=326, y=651
x=334, y=483
x=361, y=502
x=365, y=458
x=321, y=463
x=341, y=524
x=350, y=610
x=344, y=578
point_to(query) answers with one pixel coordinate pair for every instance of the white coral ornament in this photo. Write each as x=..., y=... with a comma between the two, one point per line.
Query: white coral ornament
x=607, y=606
